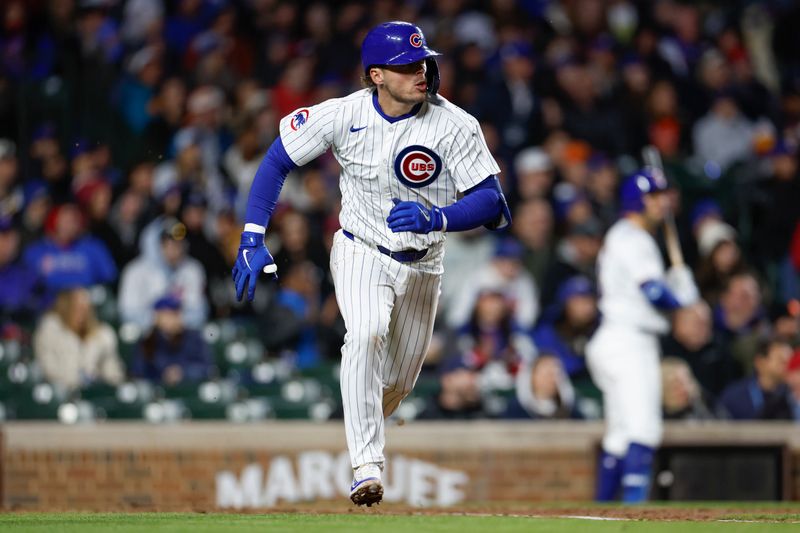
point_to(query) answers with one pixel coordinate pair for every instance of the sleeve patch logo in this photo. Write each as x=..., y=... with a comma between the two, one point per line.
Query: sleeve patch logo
x=417, y=166
x=299, y=118
x=416, y=40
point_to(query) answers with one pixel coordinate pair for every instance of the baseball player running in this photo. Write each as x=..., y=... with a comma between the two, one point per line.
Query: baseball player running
x=623, y=355
x=406, y=153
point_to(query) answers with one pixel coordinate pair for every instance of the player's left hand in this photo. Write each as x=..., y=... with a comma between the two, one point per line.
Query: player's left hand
x=414, y=217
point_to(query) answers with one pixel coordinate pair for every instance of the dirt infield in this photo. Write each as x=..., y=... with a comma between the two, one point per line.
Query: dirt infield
x=695, y=512
x=670, y=512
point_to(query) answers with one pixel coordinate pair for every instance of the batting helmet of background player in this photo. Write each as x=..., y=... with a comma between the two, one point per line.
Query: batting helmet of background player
x=645, y=181
x=399, y=43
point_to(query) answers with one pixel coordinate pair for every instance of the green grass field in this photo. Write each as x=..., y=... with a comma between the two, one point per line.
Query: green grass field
x=359, y=520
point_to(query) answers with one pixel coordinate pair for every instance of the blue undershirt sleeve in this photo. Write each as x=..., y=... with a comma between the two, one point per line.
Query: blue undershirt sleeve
x=483, y=204
x=267, y=184
x=660, y=295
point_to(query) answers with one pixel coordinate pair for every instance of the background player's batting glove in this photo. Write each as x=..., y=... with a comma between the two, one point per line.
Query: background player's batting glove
x=253, y=258
x=414, y=217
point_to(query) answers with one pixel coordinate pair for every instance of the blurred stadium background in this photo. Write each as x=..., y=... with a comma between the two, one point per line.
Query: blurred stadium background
x=130, y=131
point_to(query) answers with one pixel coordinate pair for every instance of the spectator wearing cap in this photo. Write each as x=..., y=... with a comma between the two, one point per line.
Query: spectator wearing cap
x=18, y=297
x=194, y=216
x=763, y=396
x=193, y=167
x=145, y=279
x=504, y=274
x=141, y=20
x=169, y=207
x=572, y=205
x=35, y=207
x=72, y=347
x=602, y=188
x=171, y=353
x=138, y=88
x=720, y=258
x=573, y=164
x=94, y=197
x=508, y=101
x=67, y=258
x=534, y=174
x=576, y=255
x=44, y=145
x=83, y=162
x=566, y=327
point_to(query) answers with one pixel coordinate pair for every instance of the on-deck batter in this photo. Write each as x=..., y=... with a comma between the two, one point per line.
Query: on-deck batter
x=623, y=355
x=406, y=153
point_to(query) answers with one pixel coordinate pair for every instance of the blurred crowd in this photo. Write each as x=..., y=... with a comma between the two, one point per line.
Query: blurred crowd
x=130, y=132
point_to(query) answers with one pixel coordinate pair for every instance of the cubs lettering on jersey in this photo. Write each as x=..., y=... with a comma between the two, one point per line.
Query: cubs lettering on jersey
x=417, y=166
x=428, y=156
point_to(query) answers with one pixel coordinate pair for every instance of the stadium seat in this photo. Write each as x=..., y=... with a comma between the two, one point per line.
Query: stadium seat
x=288, y=410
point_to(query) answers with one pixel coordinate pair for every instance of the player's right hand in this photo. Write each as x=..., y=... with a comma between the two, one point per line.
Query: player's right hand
x=253, y=258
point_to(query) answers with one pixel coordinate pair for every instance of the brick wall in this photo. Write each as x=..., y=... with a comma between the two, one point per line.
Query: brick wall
x=132, y=466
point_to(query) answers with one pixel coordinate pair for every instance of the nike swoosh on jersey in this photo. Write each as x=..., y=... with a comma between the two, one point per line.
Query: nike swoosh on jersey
x=246, y=262
x=353, y=129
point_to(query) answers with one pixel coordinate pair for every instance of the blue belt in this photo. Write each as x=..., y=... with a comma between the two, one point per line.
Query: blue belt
x=404, y=256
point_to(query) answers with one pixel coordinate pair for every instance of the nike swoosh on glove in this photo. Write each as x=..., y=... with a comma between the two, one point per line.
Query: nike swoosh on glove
x=253, y=258
x=414, y=217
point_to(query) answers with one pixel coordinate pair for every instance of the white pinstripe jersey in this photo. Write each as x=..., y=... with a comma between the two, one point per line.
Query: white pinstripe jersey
x=629, y=257
x=427, y=156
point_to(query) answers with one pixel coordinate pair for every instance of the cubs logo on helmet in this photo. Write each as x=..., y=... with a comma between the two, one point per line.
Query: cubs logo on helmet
x=299, y=118
x=415, y=40
x=417, y=166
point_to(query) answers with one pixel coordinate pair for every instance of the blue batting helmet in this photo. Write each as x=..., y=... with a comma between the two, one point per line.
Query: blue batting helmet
x=644, y=181
x=399, y=43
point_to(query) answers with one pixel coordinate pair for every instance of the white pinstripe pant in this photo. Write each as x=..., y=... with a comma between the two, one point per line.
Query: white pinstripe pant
x=388, y=308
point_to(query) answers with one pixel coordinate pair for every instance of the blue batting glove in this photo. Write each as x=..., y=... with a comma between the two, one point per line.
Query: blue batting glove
x=414, y=217
x=253, y=258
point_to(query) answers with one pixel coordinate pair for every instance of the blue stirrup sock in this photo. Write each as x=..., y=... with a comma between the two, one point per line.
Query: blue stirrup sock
x=609, y=477
x=637, y=473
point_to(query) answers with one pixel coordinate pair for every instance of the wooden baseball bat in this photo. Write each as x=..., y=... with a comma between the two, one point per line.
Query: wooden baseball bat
x=652, y=159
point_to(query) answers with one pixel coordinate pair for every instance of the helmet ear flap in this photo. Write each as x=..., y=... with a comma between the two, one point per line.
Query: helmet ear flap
x=432, y=75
